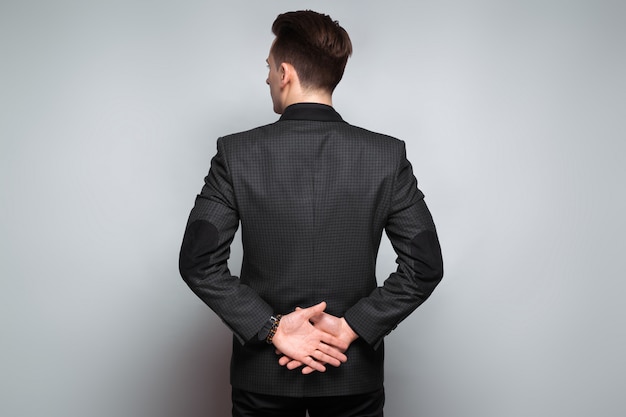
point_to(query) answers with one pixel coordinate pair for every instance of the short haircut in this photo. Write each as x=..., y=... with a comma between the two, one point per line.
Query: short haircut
x=316, y=46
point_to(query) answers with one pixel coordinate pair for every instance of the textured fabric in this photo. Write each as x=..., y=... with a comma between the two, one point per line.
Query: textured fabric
x=249, y=404
x=313, y=195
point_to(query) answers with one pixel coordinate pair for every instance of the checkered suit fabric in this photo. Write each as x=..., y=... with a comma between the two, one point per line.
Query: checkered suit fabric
x=313, y=198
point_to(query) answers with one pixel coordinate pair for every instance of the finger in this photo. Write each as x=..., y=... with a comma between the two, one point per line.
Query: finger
x=337, y=355
x=334, y=341
x=307, y=370
x=317, y=318
x=315, y=365
x=290, y=363
x=314, y=310
x=322, y=357
x=296, y=364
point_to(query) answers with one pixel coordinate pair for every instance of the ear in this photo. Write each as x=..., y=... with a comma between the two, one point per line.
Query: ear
x=287, y=74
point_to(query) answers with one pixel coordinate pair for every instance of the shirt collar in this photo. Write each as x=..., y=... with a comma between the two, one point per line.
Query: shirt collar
x=311, y=111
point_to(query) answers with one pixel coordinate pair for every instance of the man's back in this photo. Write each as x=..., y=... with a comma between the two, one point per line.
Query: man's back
x=313, y=195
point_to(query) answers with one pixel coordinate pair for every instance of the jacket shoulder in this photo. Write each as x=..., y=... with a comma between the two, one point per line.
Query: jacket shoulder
x=380, y=141
x=250, y=134
x=357, y=136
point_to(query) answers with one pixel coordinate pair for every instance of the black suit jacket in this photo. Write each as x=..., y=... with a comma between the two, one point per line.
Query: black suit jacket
x=313, y=195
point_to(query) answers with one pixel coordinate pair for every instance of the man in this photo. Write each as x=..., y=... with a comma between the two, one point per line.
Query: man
x=313, y=195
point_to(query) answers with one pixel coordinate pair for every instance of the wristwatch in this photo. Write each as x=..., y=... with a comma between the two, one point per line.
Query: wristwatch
x=269, y=329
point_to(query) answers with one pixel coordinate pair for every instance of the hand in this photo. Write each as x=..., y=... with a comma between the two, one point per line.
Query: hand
x=336, y=326
x=298, y=339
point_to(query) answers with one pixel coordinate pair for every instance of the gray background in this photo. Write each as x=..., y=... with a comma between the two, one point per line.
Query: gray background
x=513, y=113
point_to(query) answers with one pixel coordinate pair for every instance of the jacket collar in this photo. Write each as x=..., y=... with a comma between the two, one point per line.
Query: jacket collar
x=310, y=111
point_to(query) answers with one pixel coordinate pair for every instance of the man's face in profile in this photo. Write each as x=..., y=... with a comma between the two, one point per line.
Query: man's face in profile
x=274, y=78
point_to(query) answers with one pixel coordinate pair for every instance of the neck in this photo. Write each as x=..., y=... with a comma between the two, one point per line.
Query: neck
x=320, y=97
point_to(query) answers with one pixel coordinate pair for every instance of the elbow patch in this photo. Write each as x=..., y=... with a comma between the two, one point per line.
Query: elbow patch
x=426, y=251
x=201, y=239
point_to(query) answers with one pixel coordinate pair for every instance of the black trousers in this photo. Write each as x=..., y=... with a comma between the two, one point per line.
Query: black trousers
x=248, y=404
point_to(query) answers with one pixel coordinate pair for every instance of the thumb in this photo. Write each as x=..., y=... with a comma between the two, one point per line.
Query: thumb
x=315, y=310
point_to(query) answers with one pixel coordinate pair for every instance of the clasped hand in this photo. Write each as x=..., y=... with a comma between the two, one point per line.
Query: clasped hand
x=312, y=338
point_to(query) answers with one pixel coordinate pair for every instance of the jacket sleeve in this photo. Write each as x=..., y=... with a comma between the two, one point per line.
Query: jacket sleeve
x=412, y=234
x=205, y=250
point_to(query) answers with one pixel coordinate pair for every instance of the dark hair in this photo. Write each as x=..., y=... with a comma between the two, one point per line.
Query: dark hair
x=316, y=46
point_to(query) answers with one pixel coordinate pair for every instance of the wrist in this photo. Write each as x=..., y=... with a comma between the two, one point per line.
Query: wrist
x=350, y=334
x=274, y=323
